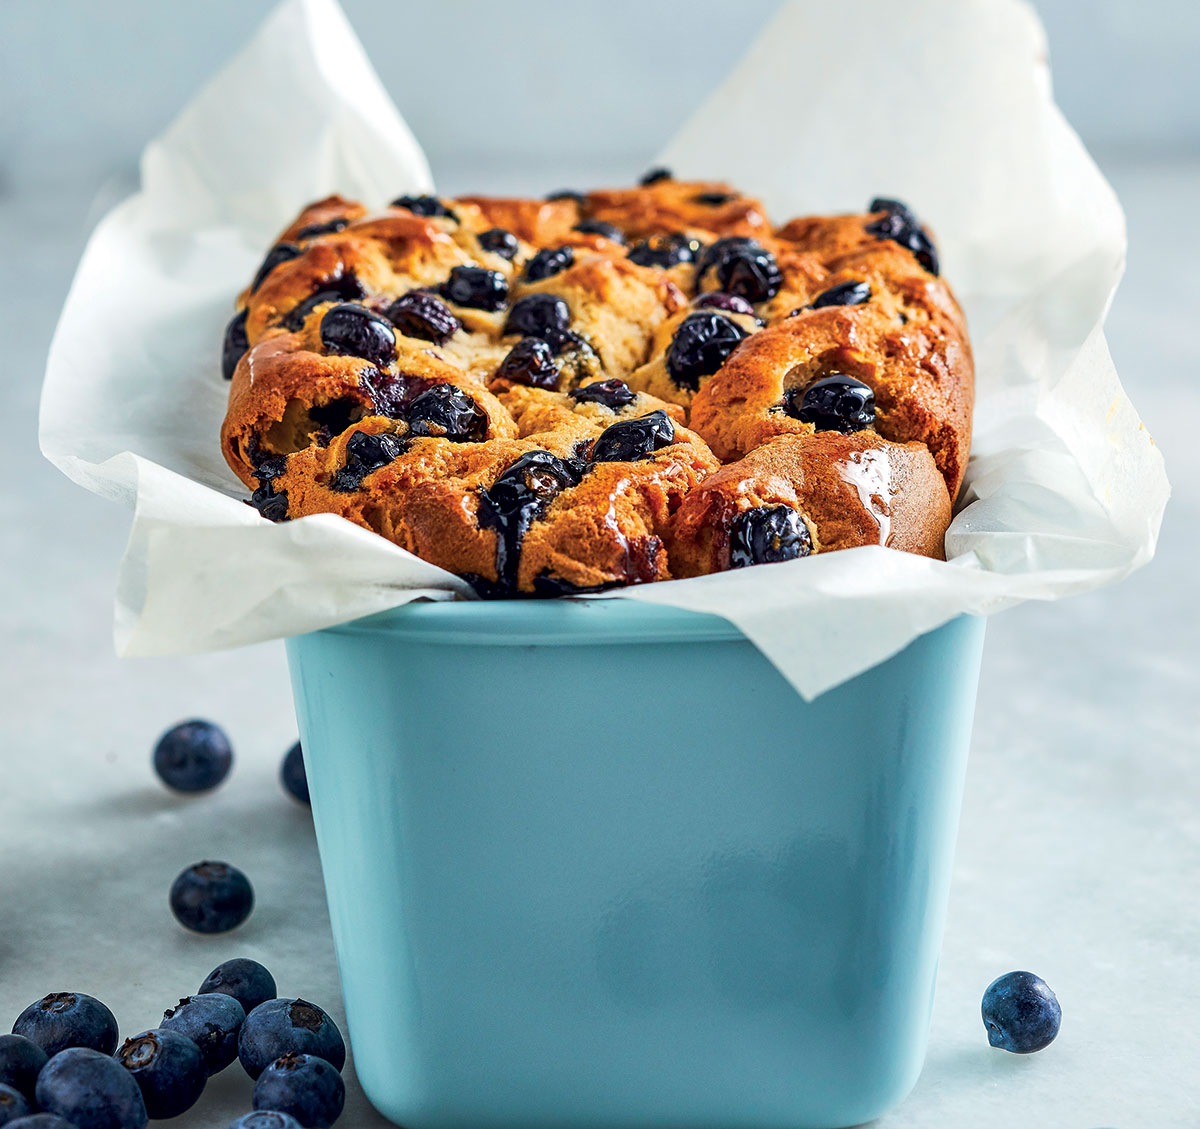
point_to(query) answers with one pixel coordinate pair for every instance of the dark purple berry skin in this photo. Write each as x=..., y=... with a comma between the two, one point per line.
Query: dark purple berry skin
x=213, y=1021
x=665, y=251
x=613, y=393
x=424, y=316
x=13, y=1104
x=20, y=1061
x=68, y=1019
x=538, y=315
x=303, y=1085
x=550, y=261
x=234, y=347
x=315, y=229
x=279, y=1027
x=844, y=294
x=498, y=241
x=366, y=453
x=447, y=412
x=280, y=253
x=354, y=331
x=41, y=1121
x=266, y=1119
x=477, y=288
x=835, y=403
x=168, y=1068
x=901, y=225
x=631, y=439
x=655, y=175
x=211, y=897
x=193, y=756
x=743, y=267
x=599, y=227
x=295, y=779
x=343, y=287
x=701, y=345
x=767, y=534
x=245, y=980
x=424, y=206
x=1021, y=1013
x=531, y=362
x=567, y=194
x=91, y=1091
x=714, y=199
x=719, y=300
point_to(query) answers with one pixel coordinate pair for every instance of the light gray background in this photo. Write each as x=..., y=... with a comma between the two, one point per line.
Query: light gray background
x=1080, y=844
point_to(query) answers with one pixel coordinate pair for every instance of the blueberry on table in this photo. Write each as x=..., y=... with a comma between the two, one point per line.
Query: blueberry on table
x=20, y=1061
x=424, y=316
x=633, y=439
x=767, y=534
x=366, y=453
x=245, y=980
x=193, y=756
x=599, y=227
x=91, y=1090
x=743, y=267
x=665, y=251
x=612, y=393
x=701, y=345
x=13, y=1104
x=280, y=253
x=531, y=362
x=305, y=1086
x=1021, y=1013
x=279, y=1027
x=498, y=241
x=719, y=300
x=236, y=342
x=294, y=777
x=213, y=1021
x=538, y=315
x=477, y=288
x=168, y=1068
x=548, y=262
x=354, y=331
x=836, y=402
x=656, y=174
x=211, y=897
x=844, y=294
x=447, y=412
x=424, y=206
x=266, y=1119
x=68, y=1019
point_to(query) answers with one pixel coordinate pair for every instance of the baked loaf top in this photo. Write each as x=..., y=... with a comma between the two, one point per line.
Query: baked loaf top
x=563, y=395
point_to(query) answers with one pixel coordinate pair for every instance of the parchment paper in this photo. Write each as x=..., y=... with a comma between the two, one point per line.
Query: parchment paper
x=948, y=108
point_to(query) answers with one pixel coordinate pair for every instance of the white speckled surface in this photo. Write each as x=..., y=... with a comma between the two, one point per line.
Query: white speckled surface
x=1079, y=854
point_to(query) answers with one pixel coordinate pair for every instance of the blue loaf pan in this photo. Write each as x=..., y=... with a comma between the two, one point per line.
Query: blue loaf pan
x=596, y=865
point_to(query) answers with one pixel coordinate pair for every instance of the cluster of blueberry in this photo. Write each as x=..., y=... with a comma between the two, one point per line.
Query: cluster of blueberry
x=62, y=1058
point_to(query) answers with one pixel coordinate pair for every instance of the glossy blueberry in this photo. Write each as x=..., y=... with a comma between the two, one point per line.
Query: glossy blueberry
x=392, y=393
x=899, y=224
x=295, y=779
x=13, y=1104
x=341, y=287
x=168, y=1068
x=20, y=1061
x=531, y=362
x=234, y=347
x=701, y=345
x=567, y=194
x=714, y=199
x=213, y=1021
x=743, y=267
x=538, y=315
x=888, y=204
x=613, y=393
x=271, y=503
x=1021, y=1013
x=498, y=241
x=280, y=253
x=354, y=331
x=844, y=294
x=193, y=756
x=476, y=287
x=424, y=206
x=282, y=1026
x=767, y=534
x=665, y=251
x=245, y=980
x=655, y=175
x=91, y=1091
x=266, y=1119
x=549, y=261
x=424, y=316
x=68, y=1019
x=447, y=412
x=40, y=1121
x=836, y=402
x=303, y=1085
x=315, y=229
x=211, y=897
x=365, y=454
x=632, y=439
x=599, y=227
x=719, y=300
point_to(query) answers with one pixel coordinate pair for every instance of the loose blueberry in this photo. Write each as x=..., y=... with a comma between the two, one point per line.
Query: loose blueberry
x=631, y=439
x=91, y=1090
x=424, y=206
x=168, y=1068
x=835, y=403
x=701, y=345
x=353, y=330
x=236, y=342
x=767, y=534
x=20, y=1061
x=538, y=315
x=498, y=241
x=424, y=316
x=530, y=361
x=213, y=1021
x=315, y=229
x=656, y=174
x=280, y=253
x=599, y=227
x=567, y=194
x=211, y=897
x=279, y=1027
x=714, y=199
x=342, y=287
x=365, y=454
x=743, y=267
x=245, y=980
x=665, y=251
x=1021, y=1013
x=266, y=1119
x=614, y=394
x=477, y=288
x=193, y=756
x=447, y=412
x=68, y=1019
x=900, y=225
x=844, y=294
x=303, y=1085
x=549, y=262
x=294, y=778
x=719, y=300
x=13, y=1104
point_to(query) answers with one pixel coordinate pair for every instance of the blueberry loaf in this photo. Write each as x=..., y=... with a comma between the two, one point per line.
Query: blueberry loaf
x=605, y=388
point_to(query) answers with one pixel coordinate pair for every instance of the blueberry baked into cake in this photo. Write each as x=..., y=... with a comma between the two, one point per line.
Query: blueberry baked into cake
x=604, y=388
